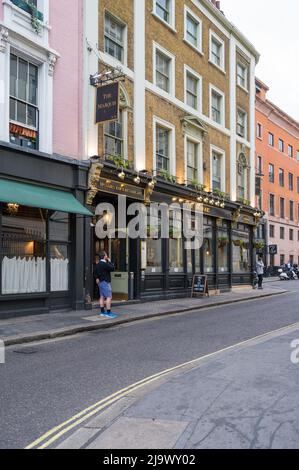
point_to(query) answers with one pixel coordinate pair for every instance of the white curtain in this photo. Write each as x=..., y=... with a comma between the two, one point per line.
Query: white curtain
x=59, y=275
x=23, y=275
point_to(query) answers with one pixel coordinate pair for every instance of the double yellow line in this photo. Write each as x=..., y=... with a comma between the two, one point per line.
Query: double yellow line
x=57, y=432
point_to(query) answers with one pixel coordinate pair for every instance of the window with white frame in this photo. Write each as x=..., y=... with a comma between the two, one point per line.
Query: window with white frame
x=241, y=123
x=217, y=51
x=162, y=148
x=163, y=73
x=115, y=37
x=114, y=137
x=23, y=103
x=242, y=75
x=192, y=92
x=242, y=176
x=193, y=29
x=217, y=106
x=165, y=10
x=192, y=160
x=217, y=170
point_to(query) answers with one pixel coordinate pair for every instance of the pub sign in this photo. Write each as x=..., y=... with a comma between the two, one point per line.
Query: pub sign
x=107, y=104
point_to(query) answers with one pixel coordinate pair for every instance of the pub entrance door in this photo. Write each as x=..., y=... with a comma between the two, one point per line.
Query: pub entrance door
x=118, y=251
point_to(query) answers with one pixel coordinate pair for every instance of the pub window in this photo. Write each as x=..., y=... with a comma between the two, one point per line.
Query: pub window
x=153, y=246
x=176, y=259
x=115, y=37
x=223, y=246
x=23, y=243
x=23, y=103
x=59, y=251
x=241, y=252
x=208, y=252
x=114, y=136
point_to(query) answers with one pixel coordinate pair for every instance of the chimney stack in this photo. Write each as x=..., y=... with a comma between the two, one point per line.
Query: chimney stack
x=216, y=4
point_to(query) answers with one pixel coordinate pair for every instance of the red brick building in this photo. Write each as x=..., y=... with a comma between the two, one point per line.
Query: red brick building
x=277, y=162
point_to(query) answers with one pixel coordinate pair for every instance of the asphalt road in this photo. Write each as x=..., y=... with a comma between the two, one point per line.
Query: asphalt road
x=42, y=385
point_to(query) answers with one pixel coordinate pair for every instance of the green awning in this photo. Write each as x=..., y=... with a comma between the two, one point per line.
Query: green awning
x=38, y=196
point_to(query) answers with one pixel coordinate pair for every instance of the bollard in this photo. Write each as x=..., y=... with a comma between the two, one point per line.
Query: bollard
x=131, y=286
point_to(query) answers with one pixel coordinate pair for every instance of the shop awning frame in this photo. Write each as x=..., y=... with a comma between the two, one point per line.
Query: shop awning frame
x=25, y=194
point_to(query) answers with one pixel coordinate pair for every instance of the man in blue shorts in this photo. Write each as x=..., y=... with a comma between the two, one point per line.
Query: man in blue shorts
x=102, y=275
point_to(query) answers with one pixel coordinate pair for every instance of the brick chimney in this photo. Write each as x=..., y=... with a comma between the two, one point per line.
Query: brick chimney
x=216, y=3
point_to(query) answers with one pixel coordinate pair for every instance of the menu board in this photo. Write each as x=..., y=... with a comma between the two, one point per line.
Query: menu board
x=200, y=286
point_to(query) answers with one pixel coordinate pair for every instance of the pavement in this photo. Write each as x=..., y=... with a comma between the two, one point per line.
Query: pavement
x=242, y=397
x=55, y=325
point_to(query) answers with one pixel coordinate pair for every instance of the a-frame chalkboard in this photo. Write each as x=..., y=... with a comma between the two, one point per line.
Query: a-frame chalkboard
x=200, y=286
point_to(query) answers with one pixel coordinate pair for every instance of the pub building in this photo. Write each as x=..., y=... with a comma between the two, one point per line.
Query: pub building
x=158, y=268
x=43, y=228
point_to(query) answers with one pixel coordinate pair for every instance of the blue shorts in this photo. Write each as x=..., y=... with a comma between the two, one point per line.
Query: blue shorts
x=105, y=290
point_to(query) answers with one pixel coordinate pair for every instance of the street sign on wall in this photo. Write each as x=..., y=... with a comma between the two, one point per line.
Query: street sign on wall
x=273, y=249
x=107, y=104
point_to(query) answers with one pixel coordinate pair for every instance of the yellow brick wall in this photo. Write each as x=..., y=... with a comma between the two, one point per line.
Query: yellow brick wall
x=124, y=11
x=185, y=54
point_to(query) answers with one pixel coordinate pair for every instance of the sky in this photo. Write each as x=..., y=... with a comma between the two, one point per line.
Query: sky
x=272, y=27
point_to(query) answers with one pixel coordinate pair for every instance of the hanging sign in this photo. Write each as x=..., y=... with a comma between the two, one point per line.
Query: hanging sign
x=107, y=104
x=200, y=286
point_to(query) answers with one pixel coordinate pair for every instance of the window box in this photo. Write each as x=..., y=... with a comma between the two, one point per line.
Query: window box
x=26, y=7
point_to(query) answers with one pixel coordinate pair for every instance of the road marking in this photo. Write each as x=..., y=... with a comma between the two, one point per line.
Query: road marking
x=58, y=431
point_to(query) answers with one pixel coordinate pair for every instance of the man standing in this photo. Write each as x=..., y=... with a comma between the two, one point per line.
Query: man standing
x=102, y=275
x=260, y=267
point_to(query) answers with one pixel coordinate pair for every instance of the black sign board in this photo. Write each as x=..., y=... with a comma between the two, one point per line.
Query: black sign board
x=200, y=286
x=107, y=105
x=119, y=188
x=273, y=249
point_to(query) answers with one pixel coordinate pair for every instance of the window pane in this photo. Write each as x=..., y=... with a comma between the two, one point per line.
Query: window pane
x=12, y=109
x=31, y=116
x=154, y=256
x=22, y=81
x=59, y=268
x=13, y=75
x=59, y=227
x=21, y=112
x=208, y=250
x=23, y=248
x=163, y=9
x=223, y=250
x=192, y=31
x=33, y=83
x=241, y=252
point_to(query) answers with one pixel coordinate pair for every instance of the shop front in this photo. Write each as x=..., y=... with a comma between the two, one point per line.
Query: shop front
x=43, y=224
x=155, y=267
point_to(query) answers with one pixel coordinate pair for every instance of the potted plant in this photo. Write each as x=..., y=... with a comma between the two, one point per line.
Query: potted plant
x=223, y=242
x=167, y=176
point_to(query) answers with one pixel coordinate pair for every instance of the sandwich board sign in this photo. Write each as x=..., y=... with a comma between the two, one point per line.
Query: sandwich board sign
x=200, y=286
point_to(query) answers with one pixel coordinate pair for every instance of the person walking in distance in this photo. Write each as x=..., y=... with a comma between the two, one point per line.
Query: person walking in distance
x=102, y=274
x=260, y=268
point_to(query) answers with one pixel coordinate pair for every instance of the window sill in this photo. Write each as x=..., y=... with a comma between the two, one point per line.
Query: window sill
x=217, y=67
x=169, y=26
x=243, y=89
x=25, y=7
x=196, y=49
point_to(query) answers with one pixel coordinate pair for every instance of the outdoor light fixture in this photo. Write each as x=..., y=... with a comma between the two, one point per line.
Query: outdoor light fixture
x=212, y=202
x=122, y=175
x=206, y=200
x=151, y=184
x=137, y=179
x=200, y=199
x=217, y=203
x=222, y=205
x=12, y=208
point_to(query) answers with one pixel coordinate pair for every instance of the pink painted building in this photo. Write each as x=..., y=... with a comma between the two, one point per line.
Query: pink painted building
x=46, y=131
